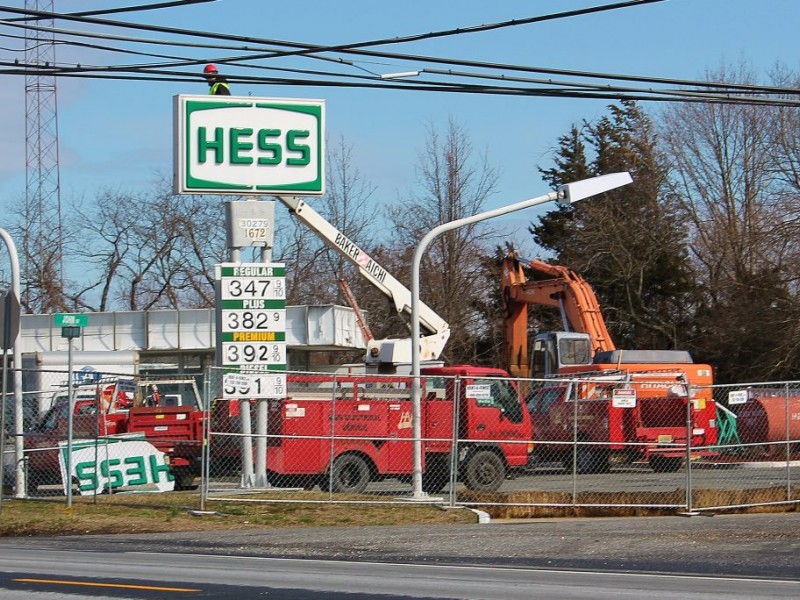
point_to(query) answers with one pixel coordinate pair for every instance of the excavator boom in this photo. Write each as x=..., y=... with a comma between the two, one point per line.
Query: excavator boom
x=560, y=288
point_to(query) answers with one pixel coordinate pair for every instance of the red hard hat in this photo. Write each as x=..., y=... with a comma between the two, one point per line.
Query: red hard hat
x=210, y=69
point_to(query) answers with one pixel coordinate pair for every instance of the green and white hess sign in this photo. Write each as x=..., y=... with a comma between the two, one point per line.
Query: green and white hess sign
x=243, y=144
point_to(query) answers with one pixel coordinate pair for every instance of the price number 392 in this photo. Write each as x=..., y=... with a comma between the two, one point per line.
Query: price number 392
x=252, y=353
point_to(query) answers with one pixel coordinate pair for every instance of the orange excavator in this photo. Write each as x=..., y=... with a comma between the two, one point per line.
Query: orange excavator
x=560, y=288
x=585, y=344
x=585, y=352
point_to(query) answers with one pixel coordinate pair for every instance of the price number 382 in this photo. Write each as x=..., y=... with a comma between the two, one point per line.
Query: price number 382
x=247, y=320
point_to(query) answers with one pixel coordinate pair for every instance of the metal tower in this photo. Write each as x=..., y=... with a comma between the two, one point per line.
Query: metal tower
x=43, y=239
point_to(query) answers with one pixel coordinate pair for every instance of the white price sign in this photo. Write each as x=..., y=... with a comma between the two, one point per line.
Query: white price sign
x=250, y=353
x=254, y=288
x=254, y=385
x=254, y=320
x=251, y=323
x=256, y=229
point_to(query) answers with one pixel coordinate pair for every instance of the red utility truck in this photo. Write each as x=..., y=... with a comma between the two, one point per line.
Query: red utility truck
x=166, y=413
x=343, y=432
x=647, y=420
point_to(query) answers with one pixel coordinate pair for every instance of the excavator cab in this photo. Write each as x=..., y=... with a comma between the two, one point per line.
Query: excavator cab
x=555, y=349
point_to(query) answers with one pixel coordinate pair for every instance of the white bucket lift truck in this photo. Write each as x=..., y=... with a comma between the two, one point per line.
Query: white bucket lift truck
x=383, y=355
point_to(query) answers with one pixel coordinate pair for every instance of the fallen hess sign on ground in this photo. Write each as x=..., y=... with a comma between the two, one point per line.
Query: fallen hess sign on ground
x=111, y=464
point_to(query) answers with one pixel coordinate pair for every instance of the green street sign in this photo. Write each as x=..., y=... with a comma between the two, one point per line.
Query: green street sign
x=71, y=320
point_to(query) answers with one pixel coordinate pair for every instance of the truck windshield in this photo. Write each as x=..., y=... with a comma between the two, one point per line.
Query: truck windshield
x=504, y=396
x=543, y=399
x=57, y=413
x=575, y=352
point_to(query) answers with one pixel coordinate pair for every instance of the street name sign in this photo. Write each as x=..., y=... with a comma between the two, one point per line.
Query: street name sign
x=243, y=144
x=71, y=320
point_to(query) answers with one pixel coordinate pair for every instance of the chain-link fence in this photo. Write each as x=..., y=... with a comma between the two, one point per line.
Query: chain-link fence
x=512, y=447
x=124, y=433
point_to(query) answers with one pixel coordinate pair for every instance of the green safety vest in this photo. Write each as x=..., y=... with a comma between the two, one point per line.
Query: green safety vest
x=216, y=86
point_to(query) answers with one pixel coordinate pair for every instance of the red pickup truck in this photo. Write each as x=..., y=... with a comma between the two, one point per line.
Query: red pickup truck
x=166, y=413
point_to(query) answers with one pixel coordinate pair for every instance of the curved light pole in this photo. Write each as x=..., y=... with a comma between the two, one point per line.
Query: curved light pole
x=17, y=357
x=565, y=195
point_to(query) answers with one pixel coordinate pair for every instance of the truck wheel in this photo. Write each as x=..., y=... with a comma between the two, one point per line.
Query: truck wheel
x=484, y=472
x=664, y=464
x=184, y=480
x=350, y=475
x=590, y=460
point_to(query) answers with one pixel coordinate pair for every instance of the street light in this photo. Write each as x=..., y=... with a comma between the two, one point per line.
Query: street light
x=565, y=195
x=17, y=358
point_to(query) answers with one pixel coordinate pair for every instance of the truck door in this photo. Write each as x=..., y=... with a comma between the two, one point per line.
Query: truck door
x=492, y=412
x=543, y=407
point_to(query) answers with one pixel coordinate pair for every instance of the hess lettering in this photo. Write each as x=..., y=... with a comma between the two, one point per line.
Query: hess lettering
x=245, y=146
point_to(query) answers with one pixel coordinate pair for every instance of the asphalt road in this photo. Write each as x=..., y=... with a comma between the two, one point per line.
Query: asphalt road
x=761, y=545
x=169, y=576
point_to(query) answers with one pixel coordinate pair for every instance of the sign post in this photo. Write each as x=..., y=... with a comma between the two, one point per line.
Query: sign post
x=71, y=325
x=251, y=348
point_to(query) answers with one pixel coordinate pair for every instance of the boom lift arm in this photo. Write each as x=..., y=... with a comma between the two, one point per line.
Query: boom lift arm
x=378, y=351
x=563, y=289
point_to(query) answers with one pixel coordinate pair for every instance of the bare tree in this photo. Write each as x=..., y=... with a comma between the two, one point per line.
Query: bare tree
x=735, y=175
x=155, y=250
x=43, y=240
x=452, y=184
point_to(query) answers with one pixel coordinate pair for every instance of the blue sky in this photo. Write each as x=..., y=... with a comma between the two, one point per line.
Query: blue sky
x=119, y=134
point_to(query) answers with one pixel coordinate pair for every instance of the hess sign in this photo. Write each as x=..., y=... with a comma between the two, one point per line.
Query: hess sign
x=243, y=144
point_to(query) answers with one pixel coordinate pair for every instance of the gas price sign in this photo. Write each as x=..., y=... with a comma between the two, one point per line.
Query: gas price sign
x=253, y=385
x=251, y=325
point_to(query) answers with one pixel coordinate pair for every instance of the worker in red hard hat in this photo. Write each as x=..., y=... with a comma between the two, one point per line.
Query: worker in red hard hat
x=217, y=85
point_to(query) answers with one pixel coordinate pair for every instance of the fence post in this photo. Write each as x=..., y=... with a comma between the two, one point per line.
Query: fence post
x=454, y=443
x=689, y=509
x=575, y=396
x=788, y=446
x=333, y=437
x=205, y=448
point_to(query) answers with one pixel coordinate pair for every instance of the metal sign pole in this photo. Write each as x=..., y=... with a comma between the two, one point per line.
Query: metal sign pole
x=3, y=421
x=69, y=332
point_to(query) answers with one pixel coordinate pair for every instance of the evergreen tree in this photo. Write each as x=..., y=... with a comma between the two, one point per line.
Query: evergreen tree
x=628, y=243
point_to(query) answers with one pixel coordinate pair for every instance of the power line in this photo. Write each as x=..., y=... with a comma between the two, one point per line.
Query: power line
x=605, y=89
x=574, y=91
x=125, y=9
